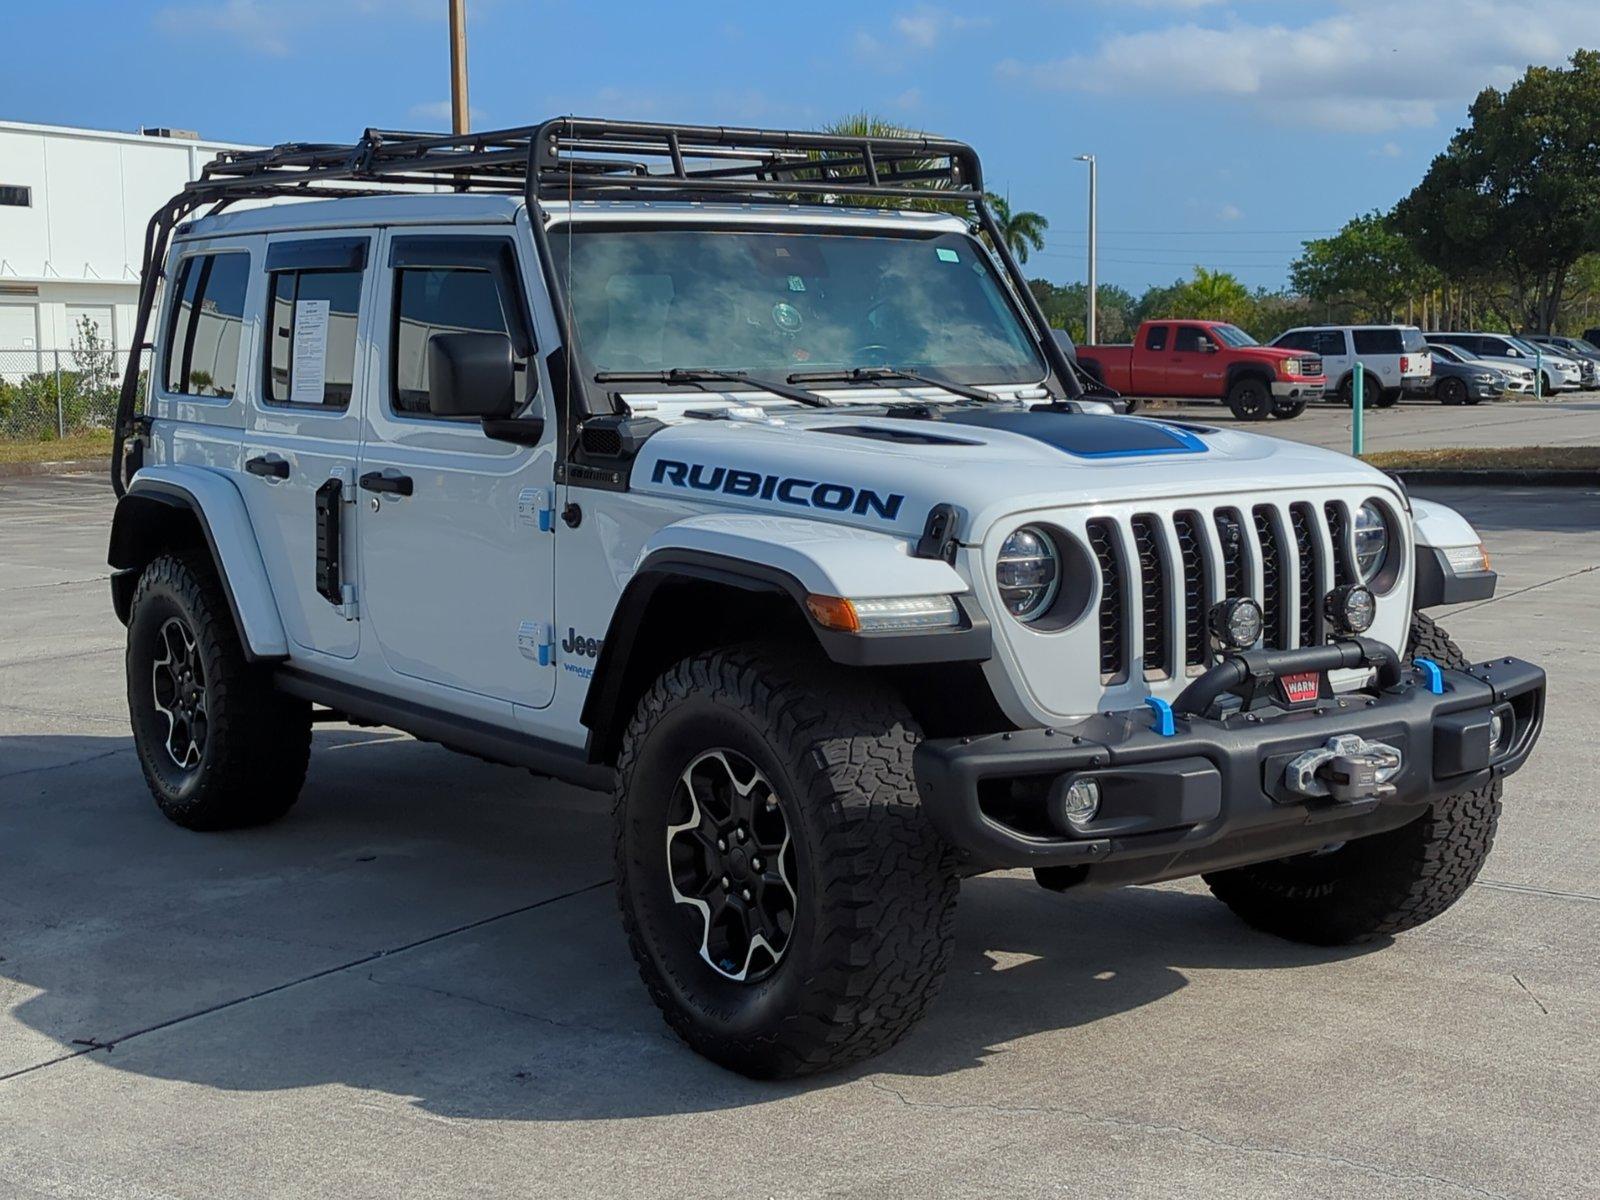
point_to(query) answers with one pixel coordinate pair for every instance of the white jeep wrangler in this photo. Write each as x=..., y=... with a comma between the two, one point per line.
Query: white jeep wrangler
x=738, y=472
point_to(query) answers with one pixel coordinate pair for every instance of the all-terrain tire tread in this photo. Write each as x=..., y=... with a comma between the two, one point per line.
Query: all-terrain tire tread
x=258, y=739
x=1407, y=876
x=886, y=909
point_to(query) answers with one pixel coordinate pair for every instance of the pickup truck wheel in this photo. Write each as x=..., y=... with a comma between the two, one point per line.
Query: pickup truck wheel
x=1250, y=399
x=1287, y=410
x=1376, y=886
x=788, y=904
x=219, y=746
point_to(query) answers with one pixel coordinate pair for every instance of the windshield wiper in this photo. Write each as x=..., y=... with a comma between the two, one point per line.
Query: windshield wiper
x=881, y=374
x=710, y=375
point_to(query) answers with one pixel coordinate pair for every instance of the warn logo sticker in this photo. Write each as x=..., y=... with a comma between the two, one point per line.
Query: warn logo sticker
x=1301, y=688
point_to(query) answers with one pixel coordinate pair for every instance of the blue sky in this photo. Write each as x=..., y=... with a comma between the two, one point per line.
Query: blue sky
x=1227, y=132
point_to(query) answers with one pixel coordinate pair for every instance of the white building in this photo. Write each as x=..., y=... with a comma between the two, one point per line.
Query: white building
x=74, y=204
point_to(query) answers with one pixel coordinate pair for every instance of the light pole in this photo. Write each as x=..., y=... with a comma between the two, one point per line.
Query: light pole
x=458, y=66
x=1094, y=205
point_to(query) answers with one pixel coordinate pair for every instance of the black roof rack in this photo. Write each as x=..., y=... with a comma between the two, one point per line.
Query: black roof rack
x=573, y=156
x=585, y=158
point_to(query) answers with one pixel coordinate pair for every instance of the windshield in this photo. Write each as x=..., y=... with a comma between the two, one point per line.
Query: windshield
x=1530, y=349
x=1234, y=336
x=774, y=303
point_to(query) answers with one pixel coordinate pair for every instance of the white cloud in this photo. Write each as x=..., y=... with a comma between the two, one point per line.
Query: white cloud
x=1367, y=65
x=269, y=26
x=908, y=99
x=1387, y=150
x=439, y=111
x=1229, y=212
x=916, y=30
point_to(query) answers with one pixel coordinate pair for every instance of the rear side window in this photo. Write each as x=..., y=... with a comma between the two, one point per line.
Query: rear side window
x=1378, y=341
x=431, y=300
x=203, y=338
x=311, y=357
x=1156, y=339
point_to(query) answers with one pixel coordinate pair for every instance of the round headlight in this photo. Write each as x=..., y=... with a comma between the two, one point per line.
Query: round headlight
x=1028, y=573
x=1372, y=541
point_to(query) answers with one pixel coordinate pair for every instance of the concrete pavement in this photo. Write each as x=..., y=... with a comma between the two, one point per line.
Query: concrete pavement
x=416, y=984
x=1571, y=420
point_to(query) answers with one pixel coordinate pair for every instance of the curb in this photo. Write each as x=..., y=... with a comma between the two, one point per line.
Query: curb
x=1495, y=477
x=76, y=466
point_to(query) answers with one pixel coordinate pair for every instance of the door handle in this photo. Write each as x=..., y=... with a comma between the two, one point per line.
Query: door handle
x=377, y=481
x=269, y=466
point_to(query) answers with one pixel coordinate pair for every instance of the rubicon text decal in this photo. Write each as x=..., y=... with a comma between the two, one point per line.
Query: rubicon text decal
x=806, y=493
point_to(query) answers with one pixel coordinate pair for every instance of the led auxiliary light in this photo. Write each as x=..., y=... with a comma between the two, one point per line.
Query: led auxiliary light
x=1081, y=801
x=884, y=614
x=1350, y=609
x=1236, y=623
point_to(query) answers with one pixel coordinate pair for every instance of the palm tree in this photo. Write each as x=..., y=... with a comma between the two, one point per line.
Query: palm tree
x=1022, y=231
x=866, y=124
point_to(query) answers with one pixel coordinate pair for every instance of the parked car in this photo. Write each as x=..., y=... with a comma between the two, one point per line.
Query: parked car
x=1395, y=358
x=1463, y=383
x=1560, y=374
x=1586, y=354
x=1592, y=336
x=841, y=601
x=1514, y=380
x=1208, y=360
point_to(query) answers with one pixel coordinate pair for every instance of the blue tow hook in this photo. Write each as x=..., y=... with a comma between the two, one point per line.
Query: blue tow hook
x=1163, y=724
x=1435, y=676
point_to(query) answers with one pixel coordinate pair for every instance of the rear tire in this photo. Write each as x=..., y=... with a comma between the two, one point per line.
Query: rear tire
x=1287, y=410
x=1250, y=399
x=1386, y=397
x=220, y=747
x=1376, y=886
x=870, y=887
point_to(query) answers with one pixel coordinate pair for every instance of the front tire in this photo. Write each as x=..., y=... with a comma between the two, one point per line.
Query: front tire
x=219, y=746
x=1452, y=391
x=753, y=752
x=1376, y=886
x=1250, y=399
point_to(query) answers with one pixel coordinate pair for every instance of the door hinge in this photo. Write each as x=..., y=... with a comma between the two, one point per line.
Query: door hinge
x=536, y=642
x=537, y=507
x=346, y=607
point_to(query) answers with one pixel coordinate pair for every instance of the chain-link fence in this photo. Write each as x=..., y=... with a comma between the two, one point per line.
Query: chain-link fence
x=47, y=394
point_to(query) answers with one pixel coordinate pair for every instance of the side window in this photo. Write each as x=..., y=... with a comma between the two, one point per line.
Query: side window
x=430, y=301
x=1378, y=341
x=1299, y=340
x=1330, y=343
x=1156, y=339
x=1189, y=338
x=205, y=322
x=313, y=301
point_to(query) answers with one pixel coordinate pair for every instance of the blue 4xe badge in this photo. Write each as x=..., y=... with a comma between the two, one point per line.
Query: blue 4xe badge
x=806, y=493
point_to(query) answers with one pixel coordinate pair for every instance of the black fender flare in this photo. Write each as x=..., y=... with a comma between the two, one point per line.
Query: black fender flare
x=603, y=713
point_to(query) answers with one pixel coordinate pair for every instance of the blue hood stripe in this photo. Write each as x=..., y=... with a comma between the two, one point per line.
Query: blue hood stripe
x=1088, y=435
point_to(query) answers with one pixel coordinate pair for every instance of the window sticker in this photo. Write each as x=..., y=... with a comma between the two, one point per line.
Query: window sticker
x=308, y=373
x=796, y=284
x=947, y=255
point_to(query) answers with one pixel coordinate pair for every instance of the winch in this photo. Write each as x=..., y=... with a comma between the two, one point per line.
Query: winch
x=1346, y=768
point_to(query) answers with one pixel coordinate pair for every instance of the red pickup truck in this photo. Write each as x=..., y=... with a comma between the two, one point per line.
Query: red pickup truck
x=1209, y=360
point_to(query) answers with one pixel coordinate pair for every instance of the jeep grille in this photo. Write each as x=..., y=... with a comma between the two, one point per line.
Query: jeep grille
x=1300, y=550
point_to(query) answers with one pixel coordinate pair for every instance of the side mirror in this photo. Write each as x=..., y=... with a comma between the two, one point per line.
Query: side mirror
x=471, y=375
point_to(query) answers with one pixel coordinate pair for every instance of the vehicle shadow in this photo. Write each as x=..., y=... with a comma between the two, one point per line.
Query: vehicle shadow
x=391, y=936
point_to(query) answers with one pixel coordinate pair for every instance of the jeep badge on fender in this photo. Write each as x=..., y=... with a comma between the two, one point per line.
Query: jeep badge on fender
x=875, y=596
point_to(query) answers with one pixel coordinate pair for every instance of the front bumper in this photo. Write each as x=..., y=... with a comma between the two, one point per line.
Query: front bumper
x=1213, y=794
x=1308, y=389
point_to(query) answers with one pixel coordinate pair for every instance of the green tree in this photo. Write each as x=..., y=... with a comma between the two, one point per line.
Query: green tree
x=1021, y=231
x=1368, y=265
x=1516, y=195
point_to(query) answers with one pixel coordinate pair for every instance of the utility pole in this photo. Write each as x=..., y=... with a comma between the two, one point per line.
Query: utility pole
x=458, y=66
x=1094, y=293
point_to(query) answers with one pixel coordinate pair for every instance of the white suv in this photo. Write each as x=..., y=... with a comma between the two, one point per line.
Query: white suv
x=1395, y=358
x=637, y=457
